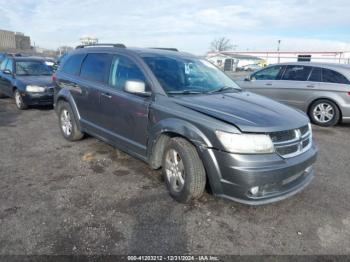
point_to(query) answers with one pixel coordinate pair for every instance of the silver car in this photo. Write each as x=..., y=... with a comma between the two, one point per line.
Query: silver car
x=319, y=89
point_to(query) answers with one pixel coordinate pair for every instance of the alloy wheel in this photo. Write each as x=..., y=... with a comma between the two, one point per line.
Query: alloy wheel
x=66, y=122
x=175, y=170
x=323, y=112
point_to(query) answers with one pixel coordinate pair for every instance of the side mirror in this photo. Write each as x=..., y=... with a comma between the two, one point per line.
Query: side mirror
x=247, y=79
x=7, y=72
x=136, y=87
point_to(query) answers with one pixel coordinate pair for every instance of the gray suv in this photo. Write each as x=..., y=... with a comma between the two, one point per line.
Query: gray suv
x=182, y=114
x=321, y=90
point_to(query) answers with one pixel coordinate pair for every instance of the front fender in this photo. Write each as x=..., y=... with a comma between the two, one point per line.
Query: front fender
x=180, y=127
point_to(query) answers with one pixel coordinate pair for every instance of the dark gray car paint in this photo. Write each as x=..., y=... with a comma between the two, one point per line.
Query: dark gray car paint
x=195, y=117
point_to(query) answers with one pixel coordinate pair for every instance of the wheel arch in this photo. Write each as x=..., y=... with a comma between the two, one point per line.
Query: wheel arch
x=65, y=96
x=167, y=129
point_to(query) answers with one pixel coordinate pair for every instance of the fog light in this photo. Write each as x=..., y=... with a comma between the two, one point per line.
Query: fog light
x=254, y=190
x=308, y=170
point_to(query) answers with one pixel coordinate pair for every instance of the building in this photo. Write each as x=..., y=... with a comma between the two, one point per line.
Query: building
x=7, y=40
x=231, y=61
x=13, y=41
x=88, y=40
x=341, y=57
x=22, y=41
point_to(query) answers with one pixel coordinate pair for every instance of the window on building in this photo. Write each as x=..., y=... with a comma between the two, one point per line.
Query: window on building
x=331, y=76
x=297, y=73
x=304, y=58
x=72, y=64
x=96, y=67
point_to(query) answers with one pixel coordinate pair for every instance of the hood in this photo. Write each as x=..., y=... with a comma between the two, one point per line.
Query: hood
x=247, y=111
x=35, y=80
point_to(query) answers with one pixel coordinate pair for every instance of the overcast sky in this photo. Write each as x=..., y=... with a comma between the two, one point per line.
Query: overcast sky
x=189, y=25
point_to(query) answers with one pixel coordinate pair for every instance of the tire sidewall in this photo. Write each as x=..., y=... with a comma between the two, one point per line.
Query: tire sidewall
x=23, y=105
x=185, y=194
x=65, y=106
x=335, y=119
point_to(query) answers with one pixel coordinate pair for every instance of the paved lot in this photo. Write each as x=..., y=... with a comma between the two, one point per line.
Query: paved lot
x=58, y=197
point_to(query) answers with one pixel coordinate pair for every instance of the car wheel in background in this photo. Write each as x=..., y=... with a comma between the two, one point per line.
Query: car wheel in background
x=19, y=100
x=183, y=170
x=324, y=112
x=2, y=95
x=67, y=122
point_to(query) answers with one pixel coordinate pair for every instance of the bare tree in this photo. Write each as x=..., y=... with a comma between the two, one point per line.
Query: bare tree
x=221, y=44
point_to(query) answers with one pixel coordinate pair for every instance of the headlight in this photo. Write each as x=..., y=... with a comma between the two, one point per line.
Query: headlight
x=246, y=143
x=35, y=89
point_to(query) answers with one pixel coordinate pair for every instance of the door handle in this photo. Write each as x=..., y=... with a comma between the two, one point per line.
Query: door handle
x=310, y=86
x=106, y=95
x=268, y=84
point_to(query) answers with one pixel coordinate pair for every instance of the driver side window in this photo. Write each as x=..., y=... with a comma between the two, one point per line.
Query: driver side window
x=3, y=65
x=270, y=73
x=124, y=69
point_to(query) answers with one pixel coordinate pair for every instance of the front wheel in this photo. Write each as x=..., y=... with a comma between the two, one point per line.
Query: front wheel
x=324, y=112
x=21, y=105
x=183, y=170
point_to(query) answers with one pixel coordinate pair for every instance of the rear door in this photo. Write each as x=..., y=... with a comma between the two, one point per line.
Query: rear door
x=125, y=115
x=295, y=88
x=265, y=82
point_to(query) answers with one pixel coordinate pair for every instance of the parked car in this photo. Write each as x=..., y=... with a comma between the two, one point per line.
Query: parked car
x=320, y=90
x=176, y=111
x=28, y=80
x=251, y=67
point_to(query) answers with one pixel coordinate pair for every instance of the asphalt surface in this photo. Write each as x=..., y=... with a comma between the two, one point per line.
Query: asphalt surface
x=58, y=197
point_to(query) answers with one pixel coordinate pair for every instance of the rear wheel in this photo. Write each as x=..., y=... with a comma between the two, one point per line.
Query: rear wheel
x=2, y=95
x=19, y=100
x=324, y=112
x=183, y=170
x=67, y=122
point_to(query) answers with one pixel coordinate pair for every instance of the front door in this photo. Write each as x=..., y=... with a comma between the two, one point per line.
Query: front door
x=125, y=115
x=265, y=82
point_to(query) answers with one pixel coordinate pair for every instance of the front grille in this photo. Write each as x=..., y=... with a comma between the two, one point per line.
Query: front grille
x=293, y=142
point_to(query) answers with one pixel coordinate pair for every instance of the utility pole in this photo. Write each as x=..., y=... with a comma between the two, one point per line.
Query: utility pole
x=278, y=50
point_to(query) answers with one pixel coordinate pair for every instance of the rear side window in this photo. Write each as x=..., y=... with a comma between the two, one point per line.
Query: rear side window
x=96, y=67
x=297, y=73
x=316, y=74
x=270, y=73
x=72, y=64
x=124, y=69
x=331, y=76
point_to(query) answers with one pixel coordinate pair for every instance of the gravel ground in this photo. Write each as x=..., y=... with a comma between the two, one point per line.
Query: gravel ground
x=86, y=197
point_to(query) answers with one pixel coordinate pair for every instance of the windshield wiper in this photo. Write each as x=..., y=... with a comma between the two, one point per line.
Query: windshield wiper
x=224, y=88
x=184, y=92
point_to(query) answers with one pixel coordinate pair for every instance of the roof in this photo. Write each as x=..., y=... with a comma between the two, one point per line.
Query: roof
x=134, y=50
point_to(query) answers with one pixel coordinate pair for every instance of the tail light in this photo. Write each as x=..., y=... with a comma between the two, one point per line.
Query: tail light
x=54, y=78
x=349, y=93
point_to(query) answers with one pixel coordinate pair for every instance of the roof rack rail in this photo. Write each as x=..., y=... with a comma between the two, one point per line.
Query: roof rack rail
x=166, y=48
x=93, y=45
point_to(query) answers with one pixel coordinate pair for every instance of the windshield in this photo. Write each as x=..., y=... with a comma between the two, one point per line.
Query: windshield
x=33, y=68
x=182, y=75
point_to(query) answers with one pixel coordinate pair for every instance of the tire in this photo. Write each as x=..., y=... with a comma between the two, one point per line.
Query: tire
x=67, y=122
x=324, y=112
x=186, y=179
x=20, y=104
x=2, y=95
